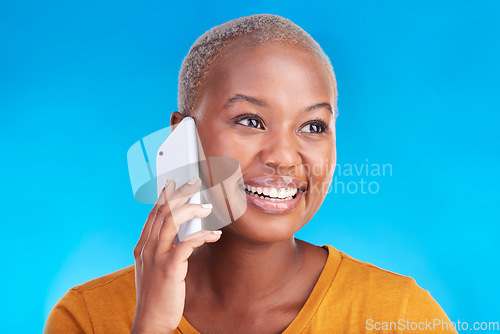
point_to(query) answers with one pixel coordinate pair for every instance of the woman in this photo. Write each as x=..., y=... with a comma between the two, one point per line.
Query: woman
x=263, y=92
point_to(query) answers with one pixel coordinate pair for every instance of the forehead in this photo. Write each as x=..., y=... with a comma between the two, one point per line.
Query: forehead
x=270, y=68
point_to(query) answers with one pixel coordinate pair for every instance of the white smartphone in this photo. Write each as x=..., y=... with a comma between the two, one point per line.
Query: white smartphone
x=177, y=159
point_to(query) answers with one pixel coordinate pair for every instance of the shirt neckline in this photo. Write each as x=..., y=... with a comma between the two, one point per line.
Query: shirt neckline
x=312, y=303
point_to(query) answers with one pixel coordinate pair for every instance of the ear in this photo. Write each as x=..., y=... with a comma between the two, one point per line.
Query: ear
x=176, y=118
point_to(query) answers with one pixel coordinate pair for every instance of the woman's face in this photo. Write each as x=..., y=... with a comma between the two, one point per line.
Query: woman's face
x=270, y=108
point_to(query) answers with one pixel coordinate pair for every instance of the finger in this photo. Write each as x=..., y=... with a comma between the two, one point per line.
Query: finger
x=170, y=226
x=184, y=192
x=155, y=217
x=196, y=235
x=161, y=207
x=185, y=248
x=146, y=229
x=169, y=189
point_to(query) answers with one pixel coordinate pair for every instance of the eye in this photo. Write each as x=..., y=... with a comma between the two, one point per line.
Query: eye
x=317, y=126
x=250, y=120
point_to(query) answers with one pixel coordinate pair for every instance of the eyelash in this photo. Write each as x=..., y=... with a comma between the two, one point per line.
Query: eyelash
x=318, y=121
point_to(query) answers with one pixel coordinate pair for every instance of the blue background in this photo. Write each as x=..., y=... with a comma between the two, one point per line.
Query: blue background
x=81, y=81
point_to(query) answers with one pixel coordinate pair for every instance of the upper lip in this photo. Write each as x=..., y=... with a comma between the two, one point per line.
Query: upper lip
x=276, y=181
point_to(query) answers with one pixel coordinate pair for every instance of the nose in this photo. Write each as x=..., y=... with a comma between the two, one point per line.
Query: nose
x=281, y=151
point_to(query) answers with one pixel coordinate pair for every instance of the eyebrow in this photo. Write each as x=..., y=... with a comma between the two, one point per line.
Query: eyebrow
x=241, y=97
x=320, y=105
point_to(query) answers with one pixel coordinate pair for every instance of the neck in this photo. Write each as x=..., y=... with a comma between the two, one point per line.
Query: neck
x=231, y=270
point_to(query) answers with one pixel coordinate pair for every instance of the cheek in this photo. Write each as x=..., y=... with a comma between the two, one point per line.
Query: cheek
x=320, y=166
x=227, y=145
x=212, y=143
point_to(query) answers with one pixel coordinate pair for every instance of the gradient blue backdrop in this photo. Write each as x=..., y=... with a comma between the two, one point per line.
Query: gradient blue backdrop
x=81, y=81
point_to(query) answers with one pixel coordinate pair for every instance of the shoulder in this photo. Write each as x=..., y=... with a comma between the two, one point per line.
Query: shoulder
x=115, y=291
x=362, y=294
x=369, y=276
x=96, y=305
x=370, y=288
x=118, y=279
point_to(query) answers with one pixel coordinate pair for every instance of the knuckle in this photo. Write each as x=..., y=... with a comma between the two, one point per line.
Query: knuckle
x=184, y=191
x=152, y=213
x=164, y=197
x=167, y=220
x=162, y=210
x=146, y=252
x=138, y=256
x=137, y=252
x=156, y=206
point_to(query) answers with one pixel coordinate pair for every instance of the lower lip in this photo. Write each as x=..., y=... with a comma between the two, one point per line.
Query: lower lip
x=280, y=207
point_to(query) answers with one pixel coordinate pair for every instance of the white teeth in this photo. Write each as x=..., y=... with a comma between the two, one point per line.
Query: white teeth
x=271, y=199
x=274, y=194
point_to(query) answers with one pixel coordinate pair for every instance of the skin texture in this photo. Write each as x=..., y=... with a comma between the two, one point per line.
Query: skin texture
x=161, y=267
x=257, y=259
x=289, y=80
x=257, y=276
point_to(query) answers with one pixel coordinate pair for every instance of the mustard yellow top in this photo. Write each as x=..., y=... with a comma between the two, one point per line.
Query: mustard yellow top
x=350, y=296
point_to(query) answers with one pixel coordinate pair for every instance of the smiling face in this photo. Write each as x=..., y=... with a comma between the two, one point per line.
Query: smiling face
x=270, y=107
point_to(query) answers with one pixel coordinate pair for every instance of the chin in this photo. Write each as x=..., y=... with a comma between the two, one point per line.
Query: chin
x=272, y=229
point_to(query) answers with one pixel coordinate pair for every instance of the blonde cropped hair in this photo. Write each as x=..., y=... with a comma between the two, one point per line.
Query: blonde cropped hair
x=257, y=29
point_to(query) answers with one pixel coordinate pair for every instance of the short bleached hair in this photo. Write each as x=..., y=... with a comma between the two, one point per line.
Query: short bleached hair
x=256, y=29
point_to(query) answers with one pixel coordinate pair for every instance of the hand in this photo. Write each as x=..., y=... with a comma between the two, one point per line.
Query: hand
x=161, y=266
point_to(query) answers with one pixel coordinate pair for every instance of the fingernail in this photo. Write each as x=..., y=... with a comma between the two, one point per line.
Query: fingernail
x=207, y=206
x=217, y=232
x=193, y=180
